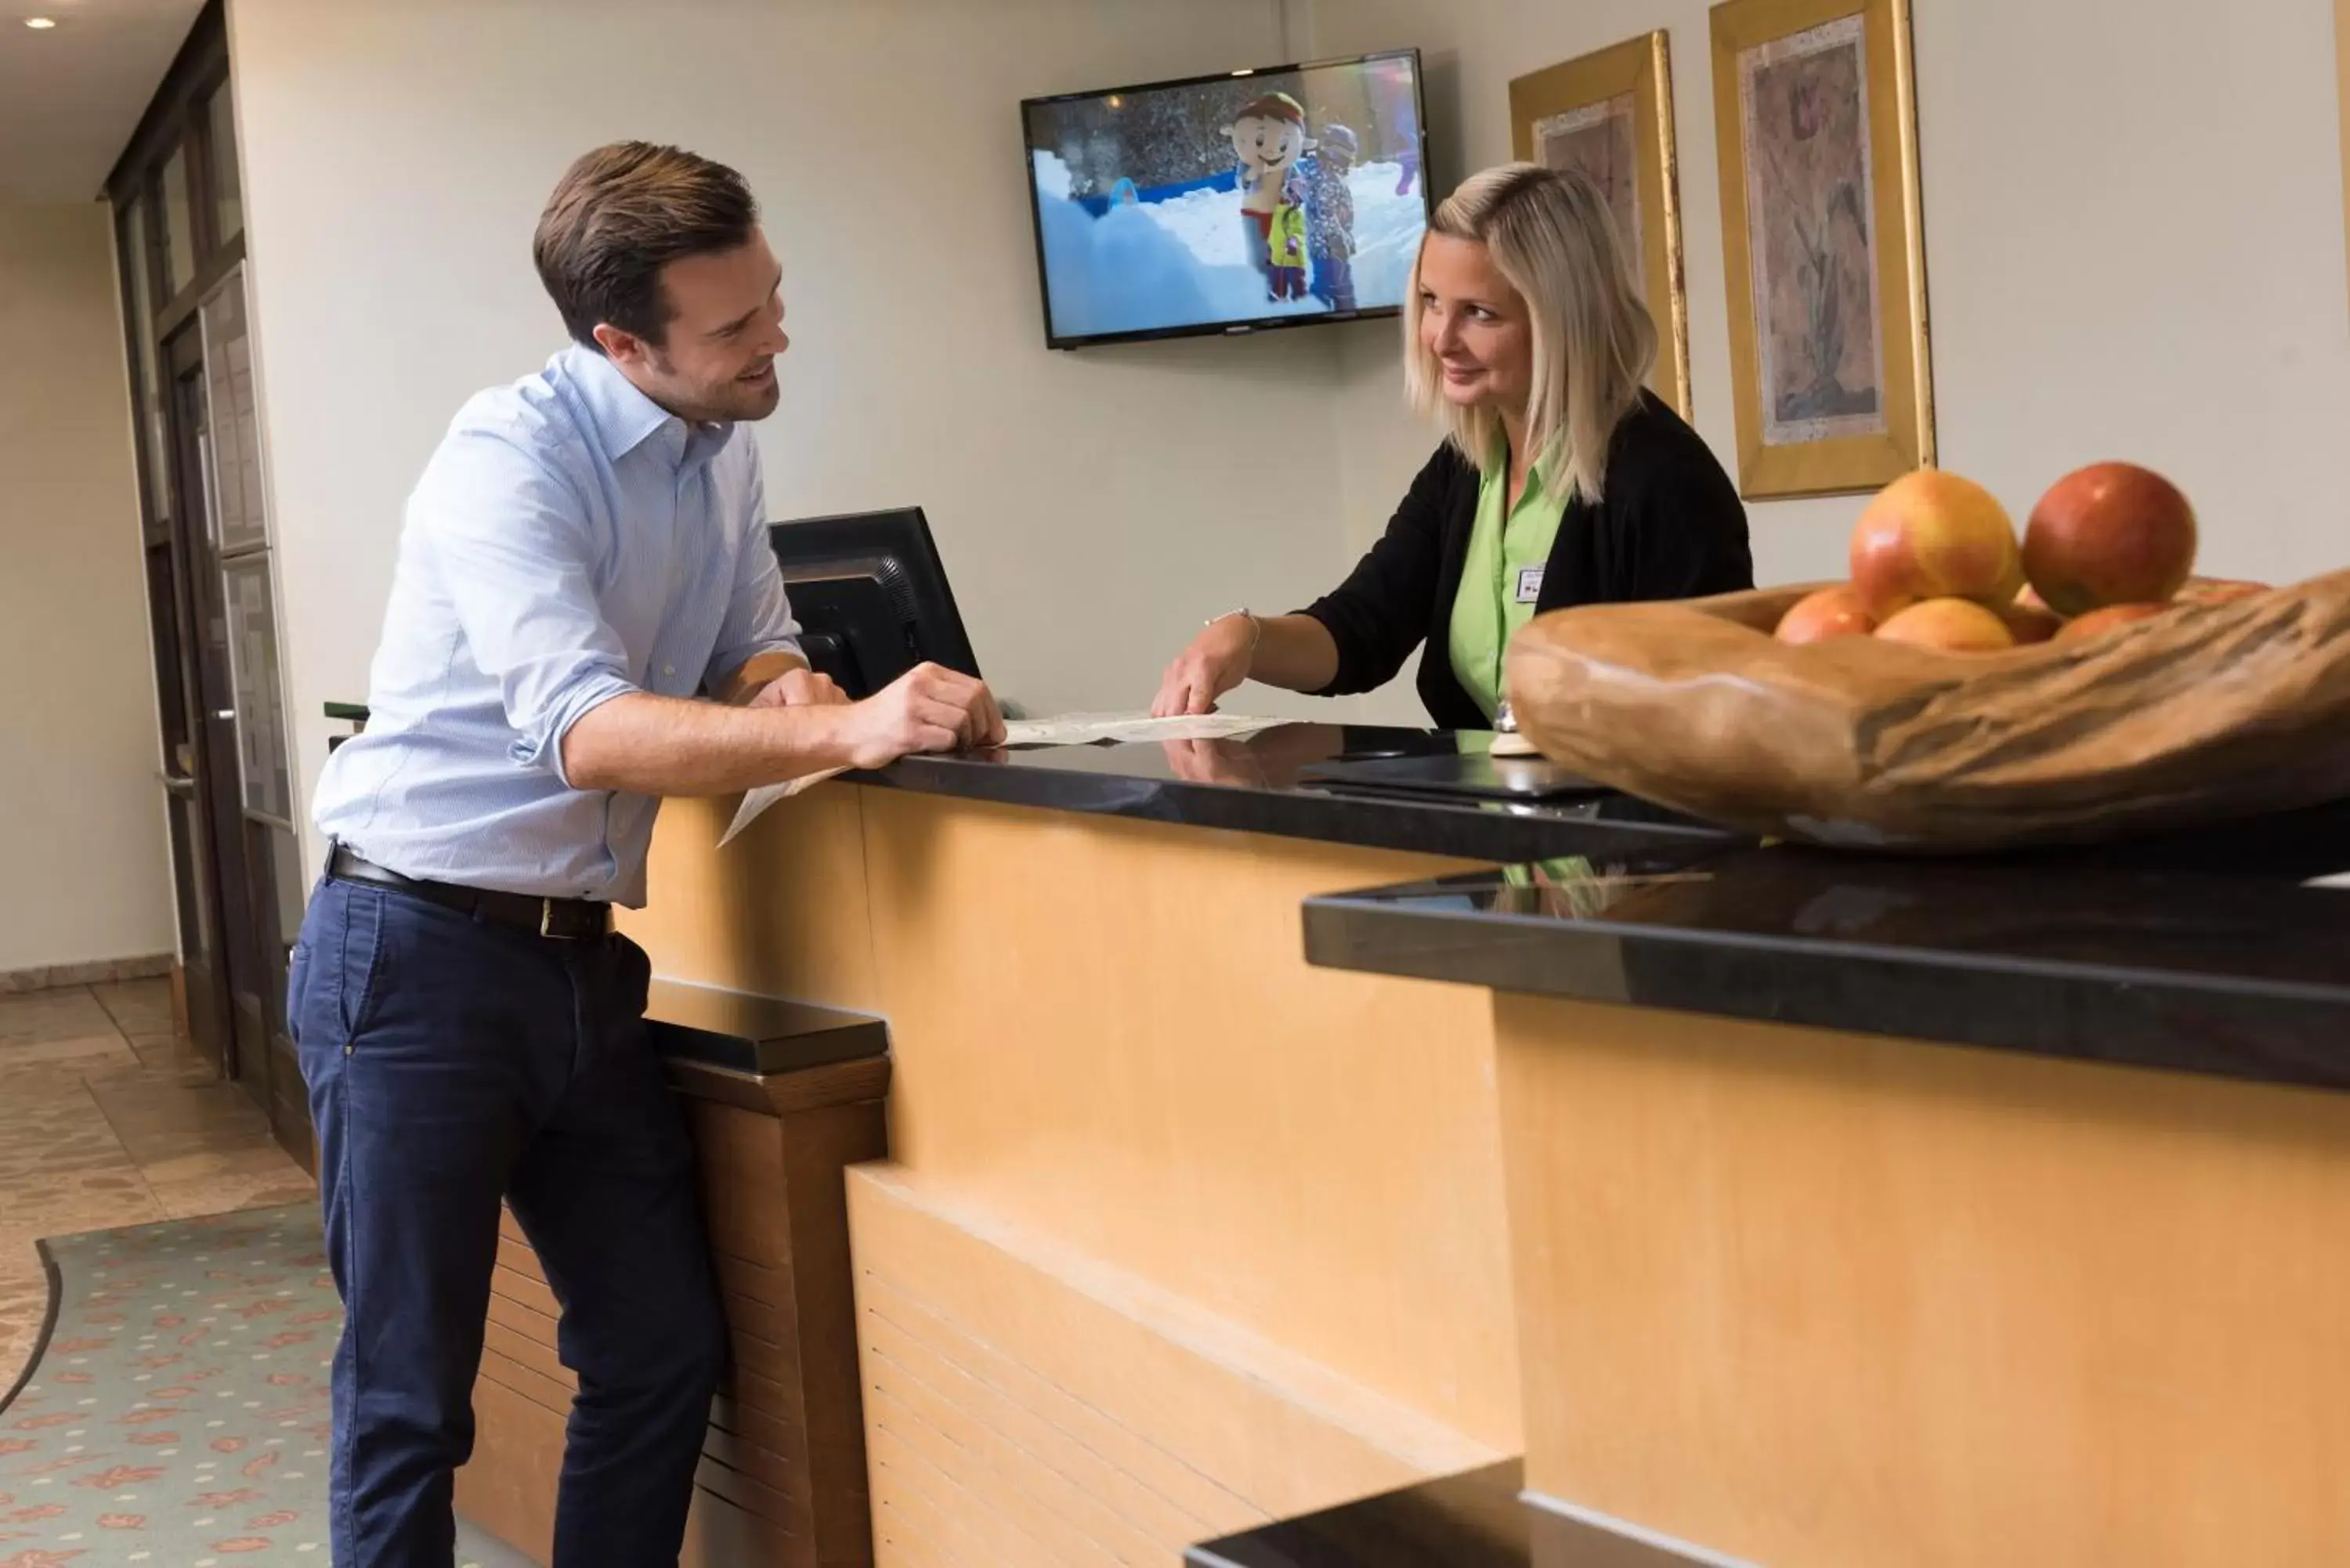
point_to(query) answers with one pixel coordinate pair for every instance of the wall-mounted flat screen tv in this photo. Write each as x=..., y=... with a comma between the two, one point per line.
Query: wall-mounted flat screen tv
x=1230, y=203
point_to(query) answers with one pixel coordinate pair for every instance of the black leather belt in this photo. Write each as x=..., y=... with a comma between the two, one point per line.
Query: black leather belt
x=567, y=920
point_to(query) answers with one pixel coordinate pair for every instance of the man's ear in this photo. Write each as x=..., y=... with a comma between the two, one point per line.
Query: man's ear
x=619, y=347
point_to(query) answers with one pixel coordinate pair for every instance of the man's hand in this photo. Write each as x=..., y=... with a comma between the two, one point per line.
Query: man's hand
x=929, y=708
x=799, y=688
x=670, y=746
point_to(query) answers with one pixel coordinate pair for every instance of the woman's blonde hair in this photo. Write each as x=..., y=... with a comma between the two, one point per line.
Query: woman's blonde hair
x=1551, y=236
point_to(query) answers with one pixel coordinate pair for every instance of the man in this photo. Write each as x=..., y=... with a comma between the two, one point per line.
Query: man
x=586, y=551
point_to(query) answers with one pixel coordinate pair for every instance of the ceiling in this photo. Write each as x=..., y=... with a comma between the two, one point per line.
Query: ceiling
x=70, y=97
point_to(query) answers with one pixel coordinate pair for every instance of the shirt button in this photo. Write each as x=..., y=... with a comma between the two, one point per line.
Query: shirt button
x=668, y=669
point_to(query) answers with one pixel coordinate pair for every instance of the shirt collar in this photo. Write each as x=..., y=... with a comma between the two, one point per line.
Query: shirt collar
x=624, y=416
x=1534, y=474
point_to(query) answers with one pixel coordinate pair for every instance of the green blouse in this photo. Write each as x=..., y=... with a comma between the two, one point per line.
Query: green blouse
x=1501, y=578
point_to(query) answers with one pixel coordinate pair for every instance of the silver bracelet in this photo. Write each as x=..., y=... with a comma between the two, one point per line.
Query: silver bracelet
x=1256, y=627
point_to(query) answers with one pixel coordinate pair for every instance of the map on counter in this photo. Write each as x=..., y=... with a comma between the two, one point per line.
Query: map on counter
x=1090, y=729
x=1069, y=730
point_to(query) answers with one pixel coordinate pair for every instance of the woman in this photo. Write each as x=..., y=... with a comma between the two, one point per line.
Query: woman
x=1561, y=481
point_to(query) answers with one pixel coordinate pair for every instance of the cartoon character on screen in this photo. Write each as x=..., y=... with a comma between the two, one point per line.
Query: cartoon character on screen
x=1286, y=242
x=1330, y=216
x=1269, y=138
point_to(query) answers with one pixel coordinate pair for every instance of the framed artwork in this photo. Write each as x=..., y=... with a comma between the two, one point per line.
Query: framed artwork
x=1610, y=115
x=1815, y=111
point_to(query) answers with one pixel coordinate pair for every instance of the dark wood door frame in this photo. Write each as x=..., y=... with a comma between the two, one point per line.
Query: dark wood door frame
x=242, y=967
x=233, y=851
x=171, y=565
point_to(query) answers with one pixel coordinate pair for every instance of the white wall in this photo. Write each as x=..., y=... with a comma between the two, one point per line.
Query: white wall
x=2134, y=245
x=1092, y=508
x=81, y=816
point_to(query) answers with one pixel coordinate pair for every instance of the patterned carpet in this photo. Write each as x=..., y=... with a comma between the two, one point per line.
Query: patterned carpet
x=109, y=1117
x=178, y=1416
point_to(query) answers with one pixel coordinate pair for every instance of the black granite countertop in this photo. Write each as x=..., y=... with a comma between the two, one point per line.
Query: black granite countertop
x=1254, y=785
x=2222, y=953
x=1472, y=1521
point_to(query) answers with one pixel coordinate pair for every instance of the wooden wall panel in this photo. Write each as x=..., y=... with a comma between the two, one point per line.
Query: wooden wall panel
x=1024, y=1405
x=779, y=912
x=781, y=1482
x=1105, y=1030
x=2342, y=105
x=1806, y=1297
x=819, y=1148
x=509, y=1488
x=1277, y=1189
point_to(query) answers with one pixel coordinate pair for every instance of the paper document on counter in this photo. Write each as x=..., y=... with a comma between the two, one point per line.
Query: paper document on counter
x=758, y=800
x=1086, y=728
x=1069, y=730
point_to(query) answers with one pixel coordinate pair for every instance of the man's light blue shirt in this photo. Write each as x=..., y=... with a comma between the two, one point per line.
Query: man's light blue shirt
x=570, y=542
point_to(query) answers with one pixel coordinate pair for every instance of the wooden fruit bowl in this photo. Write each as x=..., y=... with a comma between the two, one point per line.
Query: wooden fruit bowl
x=2209, y=713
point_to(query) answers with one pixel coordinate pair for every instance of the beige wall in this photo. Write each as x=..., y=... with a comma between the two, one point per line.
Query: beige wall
x=1092, y=508
x=2133, y=246
x=81, y=815
x=2113, y=271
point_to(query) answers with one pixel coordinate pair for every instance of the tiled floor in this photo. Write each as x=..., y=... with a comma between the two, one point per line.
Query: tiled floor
x=106, y=1120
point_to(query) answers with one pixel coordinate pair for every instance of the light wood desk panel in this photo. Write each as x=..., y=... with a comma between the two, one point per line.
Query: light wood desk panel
x=1807, y=1297
x=1106, y=1042
x=779, y=912
x=1107, y=1031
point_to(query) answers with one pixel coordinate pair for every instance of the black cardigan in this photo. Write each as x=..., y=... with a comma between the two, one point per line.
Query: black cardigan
x=1671, y=527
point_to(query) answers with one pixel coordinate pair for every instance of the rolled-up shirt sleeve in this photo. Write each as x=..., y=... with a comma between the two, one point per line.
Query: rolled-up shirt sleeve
x=758, y=611
x=511, y=541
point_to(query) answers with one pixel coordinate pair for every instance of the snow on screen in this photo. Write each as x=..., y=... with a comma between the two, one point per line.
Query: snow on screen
x=1145, y=267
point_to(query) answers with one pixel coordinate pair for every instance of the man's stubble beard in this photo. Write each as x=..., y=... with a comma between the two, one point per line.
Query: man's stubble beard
x=728, y=403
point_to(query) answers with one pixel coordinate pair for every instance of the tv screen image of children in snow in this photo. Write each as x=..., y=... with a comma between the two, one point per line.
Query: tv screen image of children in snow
x=1292, y=193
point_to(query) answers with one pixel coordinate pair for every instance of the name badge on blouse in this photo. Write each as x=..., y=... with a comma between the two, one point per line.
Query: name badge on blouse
x=1529, y=584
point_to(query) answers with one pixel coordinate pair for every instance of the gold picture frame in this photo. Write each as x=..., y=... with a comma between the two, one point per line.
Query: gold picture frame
x=1598, y=112
x=1824, y=247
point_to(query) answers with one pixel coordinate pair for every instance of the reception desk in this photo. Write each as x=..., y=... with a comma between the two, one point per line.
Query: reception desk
x=1866, y=1211
x=1178, y=1234
x=1687, y=1179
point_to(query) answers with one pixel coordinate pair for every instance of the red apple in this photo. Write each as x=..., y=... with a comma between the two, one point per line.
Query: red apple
x=1953, y=625
x=1828, y=612
x=2110, y=533
x=1931, y=534
x=2107, y=618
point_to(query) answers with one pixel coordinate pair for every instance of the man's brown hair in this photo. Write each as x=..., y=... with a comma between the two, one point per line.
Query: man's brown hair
x=620, y=215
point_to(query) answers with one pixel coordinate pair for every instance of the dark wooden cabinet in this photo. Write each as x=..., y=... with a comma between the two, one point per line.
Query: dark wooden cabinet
x=781, y=1482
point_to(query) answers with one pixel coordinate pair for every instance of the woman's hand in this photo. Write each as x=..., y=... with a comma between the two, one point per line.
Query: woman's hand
x=1217, y=660
x=1213, y=762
